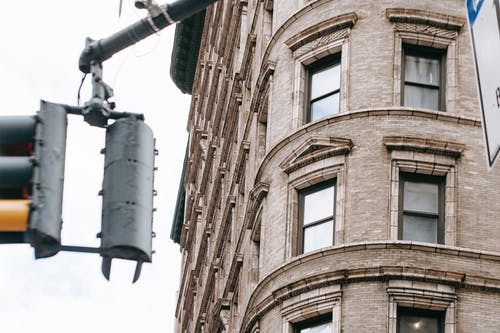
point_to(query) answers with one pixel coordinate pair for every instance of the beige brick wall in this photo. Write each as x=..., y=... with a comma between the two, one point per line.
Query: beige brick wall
x=247, y=198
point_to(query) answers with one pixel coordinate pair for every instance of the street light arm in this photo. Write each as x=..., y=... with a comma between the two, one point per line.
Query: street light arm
x=103, y=49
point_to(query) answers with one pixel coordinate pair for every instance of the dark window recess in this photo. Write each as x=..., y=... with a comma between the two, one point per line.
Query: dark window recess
x=322, y=324
x=412, y=320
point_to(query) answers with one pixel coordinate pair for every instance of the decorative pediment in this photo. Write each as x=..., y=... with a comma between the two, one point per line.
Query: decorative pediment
x=315, y=149
x=322, y=29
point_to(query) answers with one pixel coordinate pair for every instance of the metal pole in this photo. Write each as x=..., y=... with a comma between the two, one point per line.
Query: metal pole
x=105, y=48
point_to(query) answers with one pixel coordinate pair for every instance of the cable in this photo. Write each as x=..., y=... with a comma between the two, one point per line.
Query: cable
x=80, y=89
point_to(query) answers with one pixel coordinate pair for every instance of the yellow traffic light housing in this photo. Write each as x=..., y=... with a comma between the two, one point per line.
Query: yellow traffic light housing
x=14, y=215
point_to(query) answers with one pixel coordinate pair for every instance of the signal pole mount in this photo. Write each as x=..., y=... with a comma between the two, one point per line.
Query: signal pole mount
x=124, y=208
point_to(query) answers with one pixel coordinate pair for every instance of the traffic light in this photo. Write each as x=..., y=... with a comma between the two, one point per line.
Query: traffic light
x=32, y=151
x=127, y=209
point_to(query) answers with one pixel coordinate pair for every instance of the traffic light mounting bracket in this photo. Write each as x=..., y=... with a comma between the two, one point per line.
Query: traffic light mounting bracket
x=99, y=113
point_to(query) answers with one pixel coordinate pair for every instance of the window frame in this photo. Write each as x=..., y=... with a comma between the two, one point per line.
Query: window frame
x=422, y=178
x=311, y=322
x=302, y=193
x=427, y=53
x=316, y=67
x=440, y=315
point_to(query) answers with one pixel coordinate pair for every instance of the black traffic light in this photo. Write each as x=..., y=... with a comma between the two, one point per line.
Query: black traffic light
x=127, y=209
x=32, y=152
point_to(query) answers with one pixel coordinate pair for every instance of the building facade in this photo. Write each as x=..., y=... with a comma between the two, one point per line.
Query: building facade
x=335, y=177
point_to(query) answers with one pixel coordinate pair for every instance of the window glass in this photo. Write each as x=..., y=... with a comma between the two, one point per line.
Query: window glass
x=423, y=82
x=422, y=70
x=420, y=228
x=318, y=236
x=324, y=88
x=320, y=328
x=325, y=107
x=418, y=324
x=422, y=203
x=421, y=197
x=325, y=81
x=318, y=205
x=421, y=97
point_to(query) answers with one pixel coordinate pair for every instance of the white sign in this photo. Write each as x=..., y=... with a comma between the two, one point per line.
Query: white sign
x=484, y=23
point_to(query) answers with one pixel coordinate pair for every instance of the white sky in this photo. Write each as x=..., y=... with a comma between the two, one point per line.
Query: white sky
x=41, y=44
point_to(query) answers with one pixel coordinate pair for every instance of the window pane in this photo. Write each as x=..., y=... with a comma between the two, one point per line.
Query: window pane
x=325, y=81
x=418, y=324
x=321, y=328
x=420, y=228
x=325, y=107
x=421, y=197
x=318, y=205
x=318, y=236
x=422, y=70
x=421, y=97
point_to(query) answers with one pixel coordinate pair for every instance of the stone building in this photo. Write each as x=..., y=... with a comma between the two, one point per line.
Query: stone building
x=335, y=178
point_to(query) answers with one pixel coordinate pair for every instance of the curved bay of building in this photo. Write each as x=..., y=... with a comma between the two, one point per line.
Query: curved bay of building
x=367, y=206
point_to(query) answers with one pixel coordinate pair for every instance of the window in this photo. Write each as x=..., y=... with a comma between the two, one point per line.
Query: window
x=420, y=321
x=422, y=206
x=315, y=325
x=324, y=88
x=316, y=216
x=423, y=78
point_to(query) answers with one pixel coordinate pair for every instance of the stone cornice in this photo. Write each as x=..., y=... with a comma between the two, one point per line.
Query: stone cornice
x=364, y=113
x=423, y=145
x=276, y=287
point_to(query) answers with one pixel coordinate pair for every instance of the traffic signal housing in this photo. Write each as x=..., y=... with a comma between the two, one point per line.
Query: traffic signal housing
x=127, y=209
x=32, y=155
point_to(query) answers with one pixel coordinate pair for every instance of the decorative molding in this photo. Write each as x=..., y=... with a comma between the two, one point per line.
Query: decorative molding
x=423, y=145
x=322, y=29
x=425, y=17
x=312, y=306
x=421, y=298
x=315, y=149
x=275, y=288
x=268, y=5
x=221, y=312
x=422, y=295
x=248, y=55
x=234, y=272
x=241, y=160
x=364, y=113
x=257, y=195
x=262, y=87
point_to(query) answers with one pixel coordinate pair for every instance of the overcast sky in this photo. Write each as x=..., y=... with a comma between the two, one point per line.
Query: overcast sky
x=41, y=43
